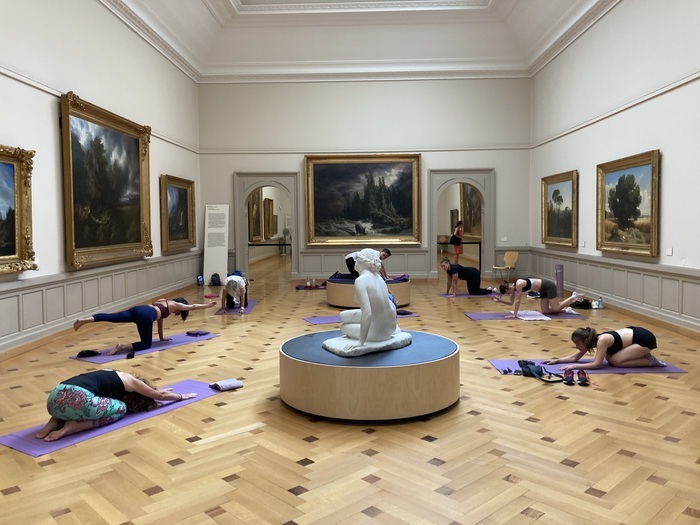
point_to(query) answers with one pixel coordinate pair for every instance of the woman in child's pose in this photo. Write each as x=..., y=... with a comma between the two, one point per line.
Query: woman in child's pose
x=628, y=347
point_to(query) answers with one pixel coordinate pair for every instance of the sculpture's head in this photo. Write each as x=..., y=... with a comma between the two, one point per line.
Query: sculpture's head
x=369, y=258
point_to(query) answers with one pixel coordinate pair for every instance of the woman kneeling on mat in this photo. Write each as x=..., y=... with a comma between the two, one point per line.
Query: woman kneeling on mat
x=98, y=398
x=472, y=276
x=627, y=347
x=549, y=302
x=144, y=316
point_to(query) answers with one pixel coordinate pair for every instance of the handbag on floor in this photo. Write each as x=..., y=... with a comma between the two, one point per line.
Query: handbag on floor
x=530, y=369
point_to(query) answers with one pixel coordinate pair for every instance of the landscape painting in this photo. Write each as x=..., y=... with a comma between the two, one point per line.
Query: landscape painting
x=560, y=209
x=628, y=201
x=367, y=200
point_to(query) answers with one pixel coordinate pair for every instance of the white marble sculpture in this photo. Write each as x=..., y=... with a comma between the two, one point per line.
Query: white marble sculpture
x=372, y=327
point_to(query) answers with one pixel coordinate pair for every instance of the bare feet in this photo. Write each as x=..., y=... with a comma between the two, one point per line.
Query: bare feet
x=81, y=322
x=70, y=427
x=50, y=426
x=118, y=349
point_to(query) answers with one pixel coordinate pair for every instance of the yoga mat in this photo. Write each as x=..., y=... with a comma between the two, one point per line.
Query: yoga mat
x=24, y=440
x=465, y=294
x=211, y=295
x=501, y=364
x=329, y=319
x=237, y=311
x=523, y=315
x=177, y=340
x=317, y=287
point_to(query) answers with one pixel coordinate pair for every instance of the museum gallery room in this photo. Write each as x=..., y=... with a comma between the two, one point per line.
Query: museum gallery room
x=338, y=261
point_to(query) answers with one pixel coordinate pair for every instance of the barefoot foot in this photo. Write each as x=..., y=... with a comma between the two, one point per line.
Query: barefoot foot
x=118, y=349
x=50, y=426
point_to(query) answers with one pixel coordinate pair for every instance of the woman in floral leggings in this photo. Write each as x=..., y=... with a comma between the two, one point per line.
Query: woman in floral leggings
x=98, y=398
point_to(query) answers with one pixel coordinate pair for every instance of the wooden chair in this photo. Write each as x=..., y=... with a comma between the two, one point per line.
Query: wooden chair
x=509, y=260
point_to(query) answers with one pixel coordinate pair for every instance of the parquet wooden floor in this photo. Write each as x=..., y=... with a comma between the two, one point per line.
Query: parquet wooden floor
x=513, y=450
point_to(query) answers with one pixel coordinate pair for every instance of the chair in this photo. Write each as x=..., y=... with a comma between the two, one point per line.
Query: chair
x=509, y=260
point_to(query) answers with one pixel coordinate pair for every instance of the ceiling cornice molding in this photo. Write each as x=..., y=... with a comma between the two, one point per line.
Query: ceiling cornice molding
x=358, y=7
x=583, y=23
x=138, y=24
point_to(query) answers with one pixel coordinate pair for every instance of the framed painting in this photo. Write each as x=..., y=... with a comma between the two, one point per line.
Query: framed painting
x=628, y=205
x=177, y=217
x=470, y=202
x=454, y=217
x=255, y=216
x=363, y=199
x=560, y=209
x=105, y=185
x=268, y=212
x=16, y=244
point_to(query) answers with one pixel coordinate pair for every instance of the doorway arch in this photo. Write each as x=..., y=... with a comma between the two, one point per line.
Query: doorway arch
x=244, y=184
x=485, y=182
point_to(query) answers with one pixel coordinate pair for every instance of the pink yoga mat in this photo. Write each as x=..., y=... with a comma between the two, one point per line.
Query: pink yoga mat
x=503, y=364
x=176, y=340
x=24, y=440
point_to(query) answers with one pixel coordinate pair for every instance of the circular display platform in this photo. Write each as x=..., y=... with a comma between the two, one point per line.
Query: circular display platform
x=418, y=379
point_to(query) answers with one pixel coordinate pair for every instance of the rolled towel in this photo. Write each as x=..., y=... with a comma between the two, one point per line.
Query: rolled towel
x=226, y=384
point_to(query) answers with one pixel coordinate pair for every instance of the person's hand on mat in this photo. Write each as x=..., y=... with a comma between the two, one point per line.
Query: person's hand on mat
x=188, y=396
x=166, y=338
x=450, y=295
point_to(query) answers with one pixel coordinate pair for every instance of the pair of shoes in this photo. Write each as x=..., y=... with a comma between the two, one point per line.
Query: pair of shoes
x=583, y=378
x=568, y=377
x=533, y=295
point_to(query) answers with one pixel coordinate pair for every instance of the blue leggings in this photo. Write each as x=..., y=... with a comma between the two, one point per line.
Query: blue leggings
x=74, y=403
x=143, y=316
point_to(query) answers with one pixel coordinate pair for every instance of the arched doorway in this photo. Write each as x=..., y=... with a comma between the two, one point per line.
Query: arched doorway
x=460, y=190
x=269, y=213
x=282, y=190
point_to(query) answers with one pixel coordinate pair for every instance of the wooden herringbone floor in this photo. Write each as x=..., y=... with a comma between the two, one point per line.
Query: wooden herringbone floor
x=624, y=450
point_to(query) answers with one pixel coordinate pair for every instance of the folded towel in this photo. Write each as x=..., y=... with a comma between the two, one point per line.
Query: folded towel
x=226, y=384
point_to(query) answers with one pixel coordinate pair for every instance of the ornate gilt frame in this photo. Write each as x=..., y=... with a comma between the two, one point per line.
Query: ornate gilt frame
x=255, y=216
x=18, y=165
x=174, y=192
x=337, y=178
x=565, y=185
x=644, y=167
x=78, y=115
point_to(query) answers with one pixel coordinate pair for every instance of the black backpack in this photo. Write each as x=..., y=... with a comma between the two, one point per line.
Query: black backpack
x=215, y=280
x=530, y=369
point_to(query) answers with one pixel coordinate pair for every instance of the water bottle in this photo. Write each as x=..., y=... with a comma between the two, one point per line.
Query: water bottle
x=308, y=282
x=600, y=303
x=313, y=282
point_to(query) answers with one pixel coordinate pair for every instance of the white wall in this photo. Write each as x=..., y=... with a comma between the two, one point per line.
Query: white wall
x=50, y=47
x=455, y=124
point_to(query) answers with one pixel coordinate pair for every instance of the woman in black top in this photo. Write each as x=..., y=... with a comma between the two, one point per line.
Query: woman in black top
x=471, y=275
x=98, y=398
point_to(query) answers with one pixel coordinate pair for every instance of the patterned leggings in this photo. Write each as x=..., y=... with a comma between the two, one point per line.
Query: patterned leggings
x=73, y=403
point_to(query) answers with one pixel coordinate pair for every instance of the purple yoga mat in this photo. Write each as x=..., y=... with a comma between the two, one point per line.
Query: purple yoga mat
x=317, y=287
x=502, y=364
x=24, y=440
x=330, y=319
x=177, y=340
x=237, y=311
x=524, y=315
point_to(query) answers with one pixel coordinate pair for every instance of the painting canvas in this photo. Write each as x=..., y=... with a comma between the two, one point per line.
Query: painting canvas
x=560, y=209
x=367, y=200
x=470, y=199
x=628, y=202
x=255, y=216
x=177, y=217
x=16, y=245
x=268, y=212
x=106, y=192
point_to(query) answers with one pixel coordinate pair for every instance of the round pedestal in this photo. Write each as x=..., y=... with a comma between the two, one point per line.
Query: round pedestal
x=342, y=293
x=413, y=381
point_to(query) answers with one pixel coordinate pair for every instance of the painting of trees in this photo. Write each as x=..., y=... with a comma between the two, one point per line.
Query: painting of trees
x=559, y=209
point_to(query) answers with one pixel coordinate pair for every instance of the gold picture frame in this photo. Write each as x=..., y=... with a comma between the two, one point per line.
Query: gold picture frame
x=628, y=205
x=268, y=212
x=363, y=199
x=106, y=185
x=16, y=242
x=177, y=216
x=470, y=201
x=255, y=216
x=560, y=209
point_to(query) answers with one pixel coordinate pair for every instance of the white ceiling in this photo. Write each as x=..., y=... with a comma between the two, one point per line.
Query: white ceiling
x=323, y=40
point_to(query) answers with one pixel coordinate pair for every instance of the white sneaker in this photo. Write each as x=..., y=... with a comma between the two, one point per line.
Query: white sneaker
x=578, y=295
x=570, y=310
